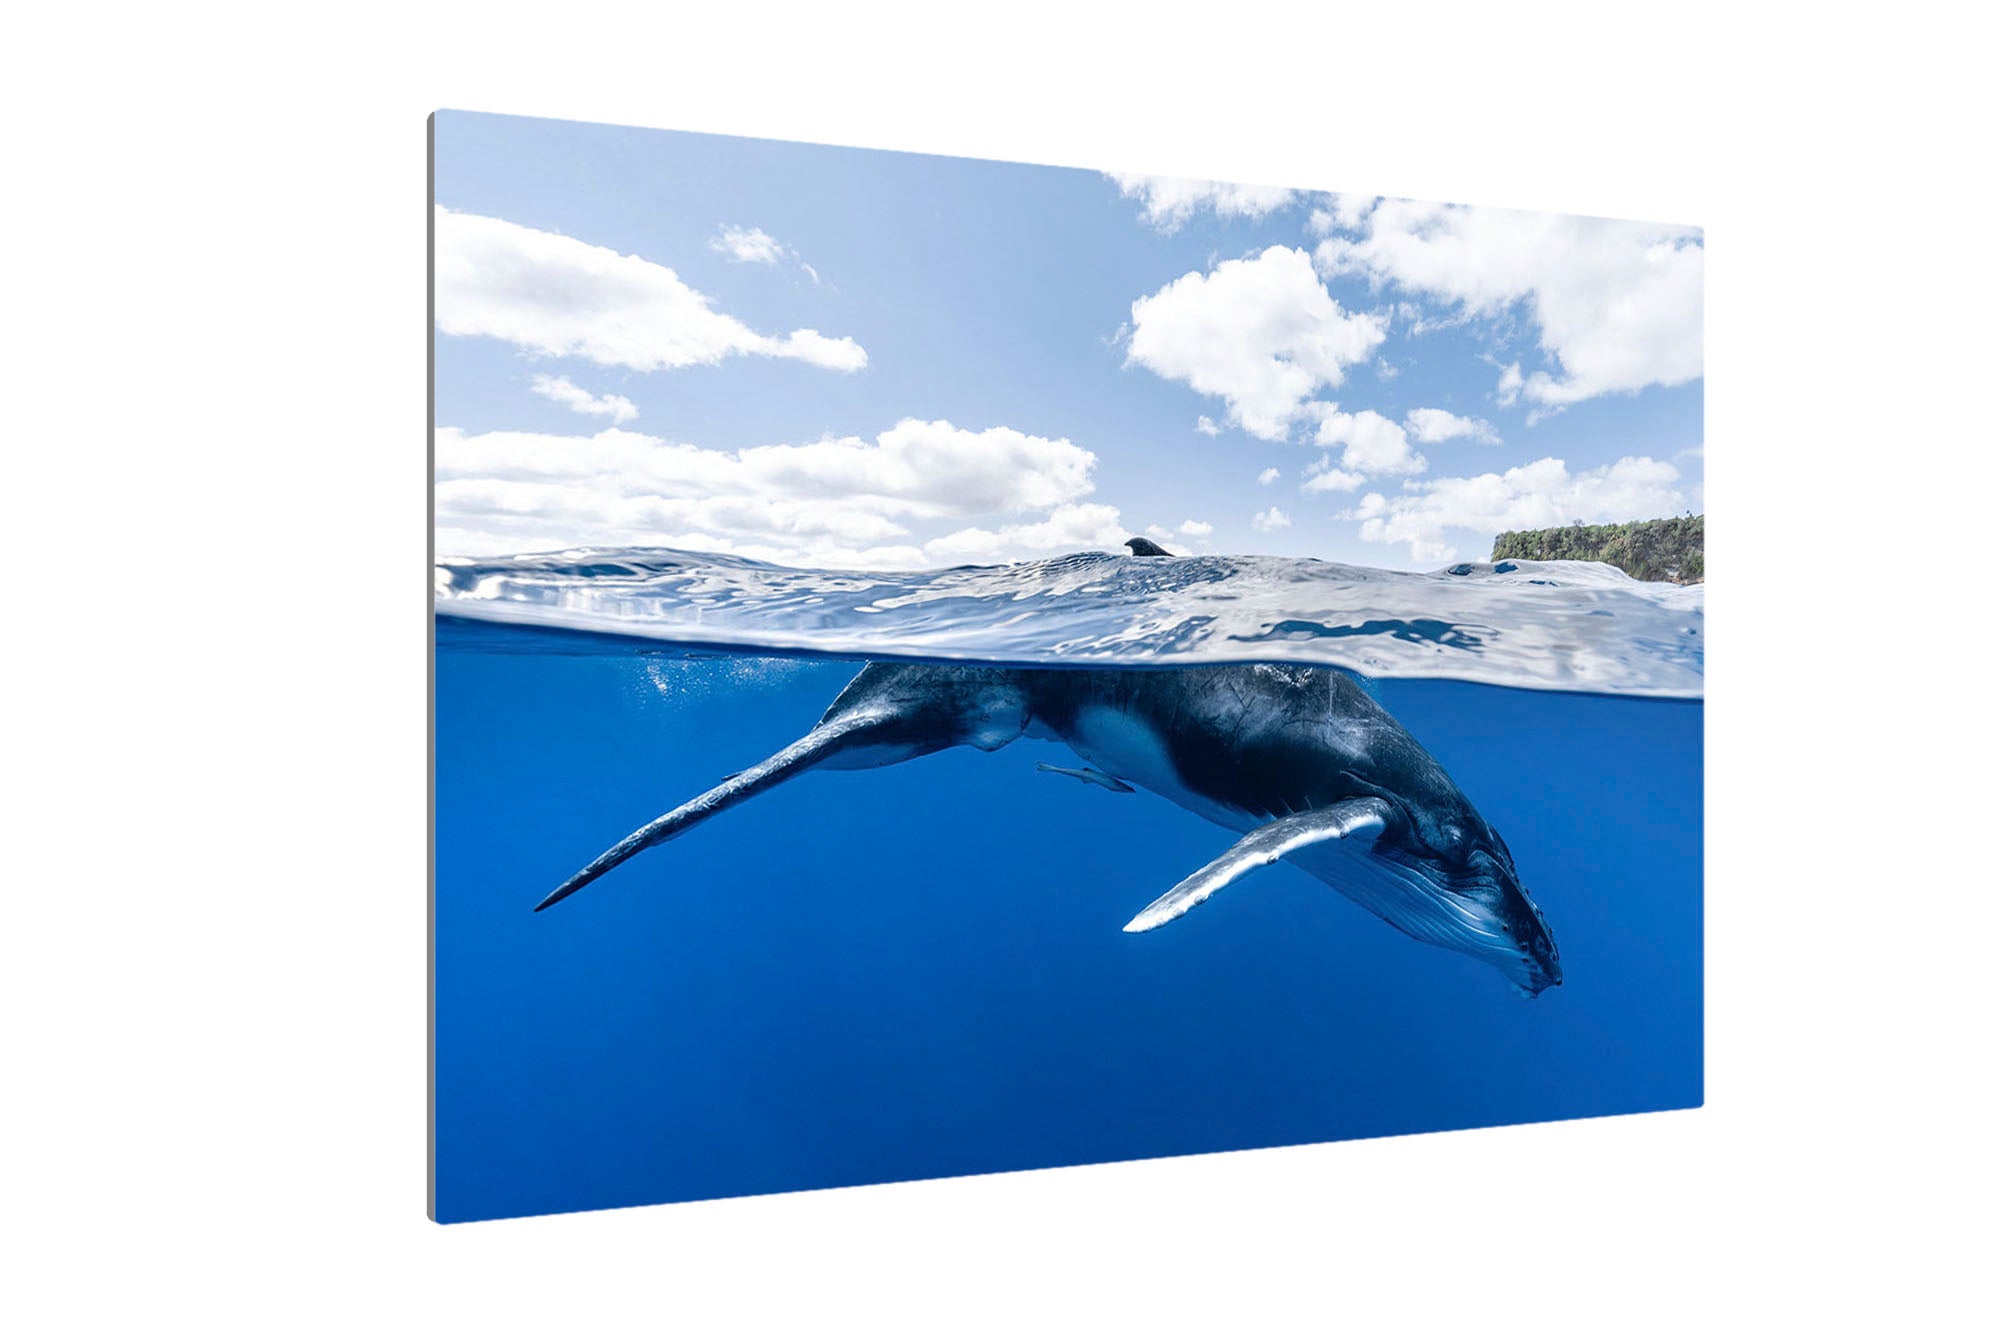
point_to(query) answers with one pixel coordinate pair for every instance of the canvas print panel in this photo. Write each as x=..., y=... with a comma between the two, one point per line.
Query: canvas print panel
x=948, y=666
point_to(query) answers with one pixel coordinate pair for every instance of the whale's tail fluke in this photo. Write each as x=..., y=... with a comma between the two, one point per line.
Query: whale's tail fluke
x=810, y=750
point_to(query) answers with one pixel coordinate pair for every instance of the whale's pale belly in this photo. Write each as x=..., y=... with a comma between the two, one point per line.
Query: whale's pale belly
x=1127, y=748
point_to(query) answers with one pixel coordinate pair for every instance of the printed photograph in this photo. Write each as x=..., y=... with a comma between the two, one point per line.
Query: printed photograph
x=946, y=666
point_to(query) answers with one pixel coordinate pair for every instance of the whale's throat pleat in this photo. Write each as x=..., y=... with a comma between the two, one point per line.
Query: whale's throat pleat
x=1413, y=903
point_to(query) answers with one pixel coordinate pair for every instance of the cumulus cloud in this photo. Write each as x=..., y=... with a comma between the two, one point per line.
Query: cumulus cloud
x=558, y=296
x=1263, y=334
x=1541, y=494
x=1323, y=476
x=1206, y=425
x=1618, y=305
x=1067, y=528
x=1372, y=445
x=1168, y=203
x=1267, y=476
x=557, y=388
x=1338, y=212
x=754, y=245
x=844, y=502
x=747, y=245
x=1434, y=425
x=1270, y=520
x=1189, y=531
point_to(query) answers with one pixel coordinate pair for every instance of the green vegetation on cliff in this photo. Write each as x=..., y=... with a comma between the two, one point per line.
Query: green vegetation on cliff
x=1657, y=550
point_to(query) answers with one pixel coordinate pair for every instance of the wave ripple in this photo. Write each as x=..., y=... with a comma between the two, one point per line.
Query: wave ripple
x=1557, y=624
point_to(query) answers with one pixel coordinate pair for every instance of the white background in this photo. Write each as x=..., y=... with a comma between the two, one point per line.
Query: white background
x=214, y=506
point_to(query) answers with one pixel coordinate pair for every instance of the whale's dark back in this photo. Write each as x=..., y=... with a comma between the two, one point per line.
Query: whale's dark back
x=1265, y=739
x=1269, y=740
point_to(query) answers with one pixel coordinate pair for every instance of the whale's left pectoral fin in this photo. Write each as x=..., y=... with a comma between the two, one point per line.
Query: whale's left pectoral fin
x=1262, y=846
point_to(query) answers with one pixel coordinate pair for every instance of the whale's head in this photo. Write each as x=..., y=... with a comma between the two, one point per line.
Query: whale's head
x=1486, y=880
x=1468, y=897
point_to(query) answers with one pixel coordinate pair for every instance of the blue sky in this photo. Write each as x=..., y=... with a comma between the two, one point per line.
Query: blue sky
x=844, y=357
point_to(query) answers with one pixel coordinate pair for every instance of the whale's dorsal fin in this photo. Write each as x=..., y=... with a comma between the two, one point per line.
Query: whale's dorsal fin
x=1262, y=846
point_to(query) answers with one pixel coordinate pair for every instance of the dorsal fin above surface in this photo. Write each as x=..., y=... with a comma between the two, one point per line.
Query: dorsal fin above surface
x=1263, y=846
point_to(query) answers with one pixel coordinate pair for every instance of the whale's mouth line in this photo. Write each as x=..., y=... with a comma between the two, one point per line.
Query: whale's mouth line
x=1440, y=907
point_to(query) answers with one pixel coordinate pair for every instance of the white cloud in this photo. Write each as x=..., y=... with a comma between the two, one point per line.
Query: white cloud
x=1169, y=203
x=1373, y=444
x=1541, y=494
x=1339, y=212
x=1206, y=425
x=557, y=388
x=559, y=296
x=1067, y=528
x=1416, y=320
x=1271, y=520
x=814, y=346
x=1323, y=477
x=837, y=502
x=1618, y=304
x=1434, y=425
x=1267, y=476
x=747, y=245
x=1262, y=334
x=754, y=245
x=1190, y=530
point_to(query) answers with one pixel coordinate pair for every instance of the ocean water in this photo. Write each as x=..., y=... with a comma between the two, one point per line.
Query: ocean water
x=920, y=970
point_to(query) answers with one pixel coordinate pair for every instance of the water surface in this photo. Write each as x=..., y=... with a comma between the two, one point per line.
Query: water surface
x=920, y=970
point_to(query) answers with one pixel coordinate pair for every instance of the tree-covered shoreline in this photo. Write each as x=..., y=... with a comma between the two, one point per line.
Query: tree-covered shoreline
x=1659, y=550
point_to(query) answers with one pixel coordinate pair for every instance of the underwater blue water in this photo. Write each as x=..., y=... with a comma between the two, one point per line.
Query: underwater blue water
x=920, y=971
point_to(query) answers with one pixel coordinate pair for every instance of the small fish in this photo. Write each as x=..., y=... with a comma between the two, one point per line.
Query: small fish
x=1104, y=780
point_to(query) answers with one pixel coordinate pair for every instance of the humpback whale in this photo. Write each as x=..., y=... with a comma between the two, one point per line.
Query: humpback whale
x=1298, y=760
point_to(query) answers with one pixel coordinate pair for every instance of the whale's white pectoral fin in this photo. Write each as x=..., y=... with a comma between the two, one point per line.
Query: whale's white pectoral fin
x=827, y=744
x=1262, y=846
